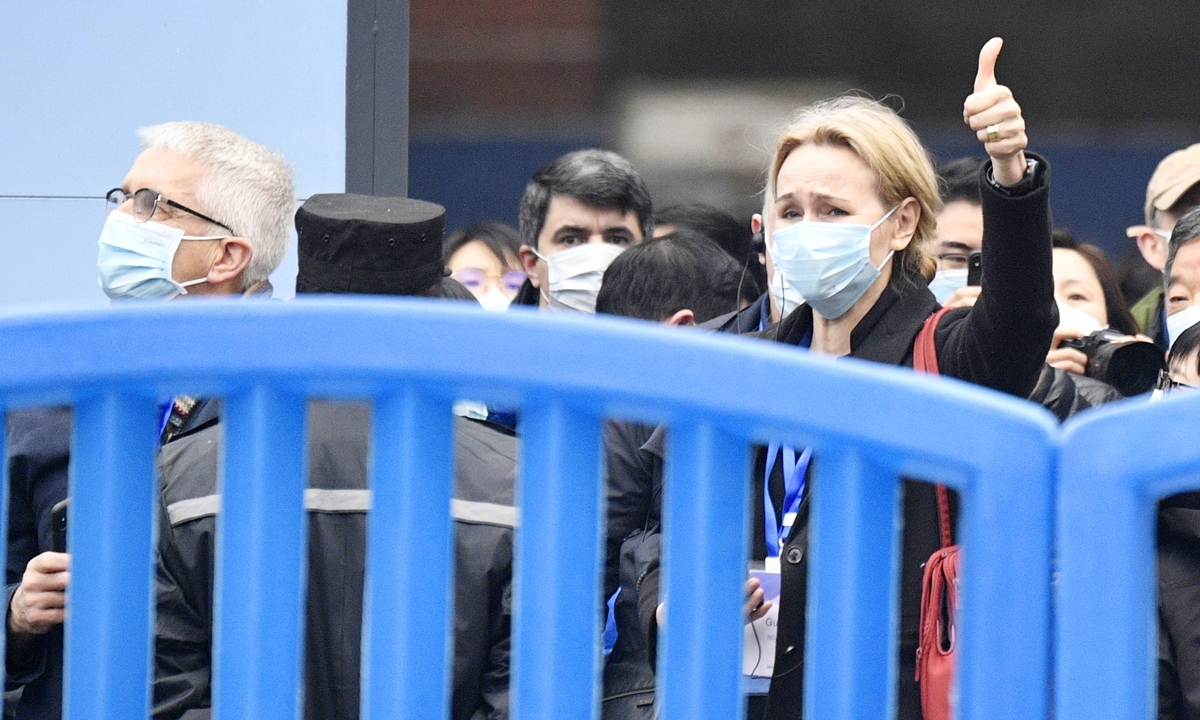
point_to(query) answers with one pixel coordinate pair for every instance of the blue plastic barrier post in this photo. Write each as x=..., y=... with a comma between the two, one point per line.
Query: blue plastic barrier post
x=704, y=556
x=556, y=625
x=407, y=596
x=855, y=550
x=261, y=558
x=1116, y=463
x=111, y=520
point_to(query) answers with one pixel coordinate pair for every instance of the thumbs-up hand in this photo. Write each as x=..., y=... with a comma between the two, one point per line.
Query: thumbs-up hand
x=996, y=119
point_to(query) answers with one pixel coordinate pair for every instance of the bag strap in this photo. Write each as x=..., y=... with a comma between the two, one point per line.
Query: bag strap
x=925, y=361
x=925, y=349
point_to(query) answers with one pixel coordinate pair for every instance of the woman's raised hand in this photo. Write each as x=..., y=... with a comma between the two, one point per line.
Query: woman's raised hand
x=996, y=119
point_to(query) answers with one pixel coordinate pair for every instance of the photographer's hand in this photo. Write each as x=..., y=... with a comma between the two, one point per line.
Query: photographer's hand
x=1070, y=359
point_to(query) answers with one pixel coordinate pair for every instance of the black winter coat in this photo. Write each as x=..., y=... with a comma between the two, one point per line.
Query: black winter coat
x=1000, y=343
x=1179, y=607
x=337, y=500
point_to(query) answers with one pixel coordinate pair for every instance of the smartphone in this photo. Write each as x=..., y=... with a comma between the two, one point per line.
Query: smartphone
x=58, y=526
x=975, y=268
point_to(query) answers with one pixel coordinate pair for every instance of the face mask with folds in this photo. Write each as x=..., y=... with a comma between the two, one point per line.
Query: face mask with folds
x=1181, y=321
x=576, y=274
x=135, y=258
x=946, y=282
x=786, y=297
x=828, y=263
x=494, y=301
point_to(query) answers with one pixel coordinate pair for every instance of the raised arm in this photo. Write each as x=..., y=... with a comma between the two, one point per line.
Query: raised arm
x=1001, y=343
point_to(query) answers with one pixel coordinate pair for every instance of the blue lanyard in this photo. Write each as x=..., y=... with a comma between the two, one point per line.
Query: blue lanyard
x=794, y=471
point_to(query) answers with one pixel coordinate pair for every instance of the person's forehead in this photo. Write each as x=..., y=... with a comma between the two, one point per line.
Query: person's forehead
x=569, y=209
x=475, y=254
x=1185, y=269
x=1072, y=265
x=962, y=222
x=170, y=173
x=825, y=169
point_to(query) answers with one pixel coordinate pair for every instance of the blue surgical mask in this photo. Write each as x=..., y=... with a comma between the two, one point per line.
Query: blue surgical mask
x=135, y=258
x=786, y=297
x=946, y=282
x=828, y=263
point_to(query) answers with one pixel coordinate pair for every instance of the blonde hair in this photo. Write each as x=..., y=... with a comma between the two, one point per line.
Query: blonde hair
x=245, y=185
x=888, y=146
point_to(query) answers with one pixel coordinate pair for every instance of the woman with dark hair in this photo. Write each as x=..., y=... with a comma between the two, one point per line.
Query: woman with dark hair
x=486, y=259
x=1089, y=298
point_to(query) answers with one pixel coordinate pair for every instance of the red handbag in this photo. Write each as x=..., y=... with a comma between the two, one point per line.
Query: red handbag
x=939, y=587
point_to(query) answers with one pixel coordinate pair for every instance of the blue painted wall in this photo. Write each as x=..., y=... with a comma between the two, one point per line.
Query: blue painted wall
x=80, y=77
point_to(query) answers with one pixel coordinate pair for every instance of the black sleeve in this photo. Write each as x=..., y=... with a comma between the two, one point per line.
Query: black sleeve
x=630, y=488
x=39, y=442
x=1002, y=341
x=183, y=636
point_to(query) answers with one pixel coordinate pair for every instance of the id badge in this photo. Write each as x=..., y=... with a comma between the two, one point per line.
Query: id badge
x=758, y=655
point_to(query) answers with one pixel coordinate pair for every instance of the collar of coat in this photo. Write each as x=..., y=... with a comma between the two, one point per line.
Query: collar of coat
x=885, y=334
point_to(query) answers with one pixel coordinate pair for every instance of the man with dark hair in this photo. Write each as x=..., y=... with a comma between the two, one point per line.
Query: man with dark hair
x=578, y=213
x=682, y=278
x=733, y=236
x=1181, y=276
x=960, y=230
x=1173, y=190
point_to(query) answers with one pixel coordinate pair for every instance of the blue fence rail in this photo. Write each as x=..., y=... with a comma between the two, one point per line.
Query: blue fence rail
x=1116, y=464
x=869, y=425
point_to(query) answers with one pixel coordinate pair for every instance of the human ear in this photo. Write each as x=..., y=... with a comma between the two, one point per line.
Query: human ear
x=906, y=218
x=529, y=264
x=681, y=318
x=1153, y=248
x=234, y=258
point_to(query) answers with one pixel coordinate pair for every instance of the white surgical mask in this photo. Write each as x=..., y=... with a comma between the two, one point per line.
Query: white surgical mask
x=494, y=301
x=135, y=258
x=1181, y=321
x=786, y=297
x=576, y=274
x=946, y=282
x=829, y=263
x=1076, y=320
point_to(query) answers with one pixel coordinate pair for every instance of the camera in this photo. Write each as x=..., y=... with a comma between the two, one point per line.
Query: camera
x=1130, y=366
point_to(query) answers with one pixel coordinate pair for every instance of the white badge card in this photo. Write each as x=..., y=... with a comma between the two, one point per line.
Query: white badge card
x=758, y=655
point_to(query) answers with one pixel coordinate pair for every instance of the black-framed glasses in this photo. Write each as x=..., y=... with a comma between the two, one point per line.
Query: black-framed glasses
x=145, y=204
x=1166, y=384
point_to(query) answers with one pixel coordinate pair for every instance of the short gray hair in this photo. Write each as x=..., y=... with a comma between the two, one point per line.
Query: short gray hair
x=245, y=186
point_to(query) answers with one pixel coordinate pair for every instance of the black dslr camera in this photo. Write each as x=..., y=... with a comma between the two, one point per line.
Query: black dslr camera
x=1130, y=366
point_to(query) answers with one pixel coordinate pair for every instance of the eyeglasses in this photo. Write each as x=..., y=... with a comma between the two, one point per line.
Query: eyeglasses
x=475, y=279
x=145, y=204
x=1166, y=384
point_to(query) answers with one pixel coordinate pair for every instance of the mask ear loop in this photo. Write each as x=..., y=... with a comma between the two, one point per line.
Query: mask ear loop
x=542, y=291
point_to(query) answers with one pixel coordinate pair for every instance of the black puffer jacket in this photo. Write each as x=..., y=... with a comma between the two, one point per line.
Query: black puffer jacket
x=338, y=500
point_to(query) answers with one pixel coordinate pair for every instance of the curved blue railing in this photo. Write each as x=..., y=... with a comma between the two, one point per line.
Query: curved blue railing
x=868, y=424
x=1116, y=464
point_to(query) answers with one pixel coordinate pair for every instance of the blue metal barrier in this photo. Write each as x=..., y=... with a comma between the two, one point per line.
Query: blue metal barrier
x=412, y=359
x=1116, y=464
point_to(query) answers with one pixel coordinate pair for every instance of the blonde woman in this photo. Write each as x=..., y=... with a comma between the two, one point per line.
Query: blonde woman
x=852, y=198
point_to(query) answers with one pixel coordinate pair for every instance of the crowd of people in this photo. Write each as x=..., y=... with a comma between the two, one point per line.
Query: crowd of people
x=862, y=244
